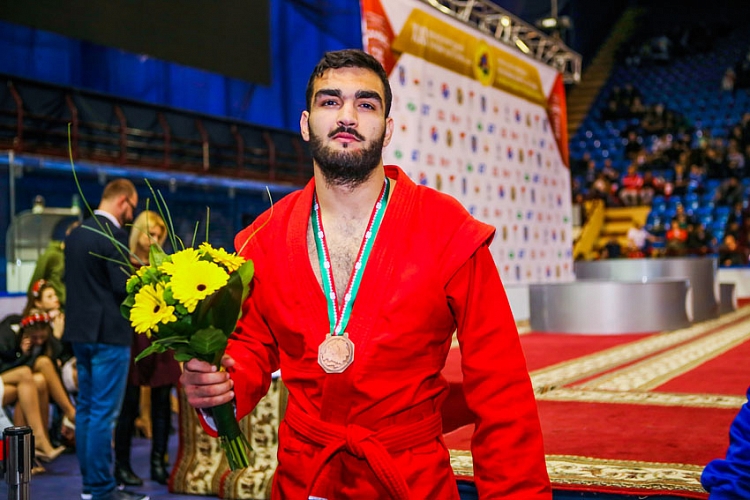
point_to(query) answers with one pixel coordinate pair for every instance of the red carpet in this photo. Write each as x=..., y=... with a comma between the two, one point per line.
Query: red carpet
x=631, y=414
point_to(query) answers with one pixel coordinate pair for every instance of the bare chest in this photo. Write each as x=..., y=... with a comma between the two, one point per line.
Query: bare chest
x=343, y=241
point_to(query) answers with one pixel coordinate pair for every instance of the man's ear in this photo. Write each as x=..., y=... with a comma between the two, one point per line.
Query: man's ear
x=304, y=125
x=388, y=131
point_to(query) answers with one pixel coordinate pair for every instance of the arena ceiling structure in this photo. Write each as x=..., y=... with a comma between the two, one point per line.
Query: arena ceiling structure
x=494, y=20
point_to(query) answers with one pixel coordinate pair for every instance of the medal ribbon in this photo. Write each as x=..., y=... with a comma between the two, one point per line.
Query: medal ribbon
x=338, y=317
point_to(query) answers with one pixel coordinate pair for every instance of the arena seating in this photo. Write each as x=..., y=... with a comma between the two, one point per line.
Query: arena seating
x=34, y=118
x=690, y=87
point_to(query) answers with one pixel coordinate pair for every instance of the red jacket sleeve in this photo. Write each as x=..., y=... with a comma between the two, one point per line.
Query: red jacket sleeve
x=507, y=447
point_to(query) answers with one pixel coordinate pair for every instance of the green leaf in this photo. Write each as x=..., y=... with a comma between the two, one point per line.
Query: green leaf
x=246, y=272
x=177, y=330
x=208, y=341
x=126, y=306
x=183, y=357
x=154, y=347
x=156, y=256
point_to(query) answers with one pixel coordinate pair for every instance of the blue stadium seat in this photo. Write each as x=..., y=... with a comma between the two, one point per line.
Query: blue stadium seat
x=722, y=211
x=659, y=203
x=707, y=199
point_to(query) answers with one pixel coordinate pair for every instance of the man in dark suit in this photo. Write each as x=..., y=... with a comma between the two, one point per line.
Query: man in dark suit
x=101, y=337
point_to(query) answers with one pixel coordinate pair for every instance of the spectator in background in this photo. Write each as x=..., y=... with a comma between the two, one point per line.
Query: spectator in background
x=735, y=160
x=639, y=241
x=590, y=174
x=652, y=185
x=676, y=237
x=50, y=266
x=680, y=181
x=93, y=268
x=716, y=165
x=700, y=241
x=729, y=192
x=637, y=109
x=728, y=80
x=730, y=253
x=158, y=373
x=633, y=145
x=22, y=387
x=578, y=167
x=612, y=249
x=632, y=182
x=610, y=172
x=737, y=214
x=696, y=179
x=43, y=297
x=600, y=189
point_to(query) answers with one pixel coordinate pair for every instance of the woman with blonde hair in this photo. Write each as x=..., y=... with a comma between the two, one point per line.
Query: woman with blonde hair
x=160, y=372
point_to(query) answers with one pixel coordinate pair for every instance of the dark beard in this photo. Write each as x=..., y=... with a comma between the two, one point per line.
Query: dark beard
x=347, y=169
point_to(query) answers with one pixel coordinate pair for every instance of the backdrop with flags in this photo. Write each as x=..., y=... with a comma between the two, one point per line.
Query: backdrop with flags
x=483, y=123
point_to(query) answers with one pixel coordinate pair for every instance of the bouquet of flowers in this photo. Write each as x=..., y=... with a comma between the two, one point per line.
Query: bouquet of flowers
x=189, y=301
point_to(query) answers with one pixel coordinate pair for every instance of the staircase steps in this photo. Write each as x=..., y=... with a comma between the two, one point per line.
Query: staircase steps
x=581, y=97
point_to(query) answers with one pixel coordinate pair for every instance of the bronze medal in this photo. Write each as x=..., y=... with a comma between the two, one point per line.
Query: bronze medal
x=336, y=353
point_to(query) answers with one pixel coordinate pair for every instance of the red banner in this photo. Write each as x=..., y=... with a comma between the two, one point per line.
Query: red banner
x=377, y=33
x=557, y=111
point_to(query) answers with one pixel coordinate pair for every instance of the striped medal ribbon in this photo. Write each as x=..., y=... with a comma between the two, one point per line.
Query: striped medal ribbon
x=336, y=352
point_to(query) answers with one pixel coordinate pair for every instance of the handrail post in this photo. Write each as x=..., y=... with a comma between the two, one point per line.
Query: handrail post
x=123, y=135
x=271, y=155
x=167, y=138
x=74, y=119
x=18, y=139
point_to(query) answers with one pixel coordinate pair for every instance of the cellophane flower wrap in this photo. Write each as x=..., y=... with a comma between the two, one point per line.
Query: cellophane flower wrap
x=189, y=301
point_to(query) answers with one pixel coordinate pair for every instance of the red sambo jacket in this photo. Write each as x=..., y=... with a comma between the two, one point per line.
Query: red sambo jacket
x=374, y=431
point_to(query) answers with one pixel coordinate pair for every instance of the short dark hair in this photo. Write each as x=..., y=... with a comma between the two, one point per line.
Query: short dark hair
x=349, y=58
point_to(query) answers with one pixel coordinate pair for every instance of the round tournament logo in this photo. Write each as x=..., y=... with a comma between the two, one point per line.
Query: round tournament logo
x=484, y=64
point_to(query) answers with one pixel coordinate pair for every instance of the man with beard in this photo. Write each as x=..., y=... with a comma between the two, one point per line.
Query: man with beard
x=99, y=334
x=361, y=280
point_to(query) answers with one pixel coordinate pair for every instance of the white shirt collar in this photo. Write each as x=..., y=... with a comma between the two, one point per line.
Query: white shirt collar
x=109, y=216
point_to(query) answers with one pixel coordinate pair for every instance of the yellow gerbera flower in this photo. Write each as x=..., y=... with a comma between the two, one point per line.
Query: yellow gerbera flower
x=229, y=260
x=183, y=258
x=150, y=309
x=195, y=281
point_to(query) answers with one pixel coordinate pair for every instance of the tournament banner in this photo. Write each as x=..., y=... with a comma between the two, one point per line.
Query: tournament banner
x=483, y=123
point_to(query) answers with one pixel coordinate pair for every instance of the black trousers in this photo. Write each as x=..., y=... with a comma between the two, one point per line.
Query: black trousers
x=160, y=422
